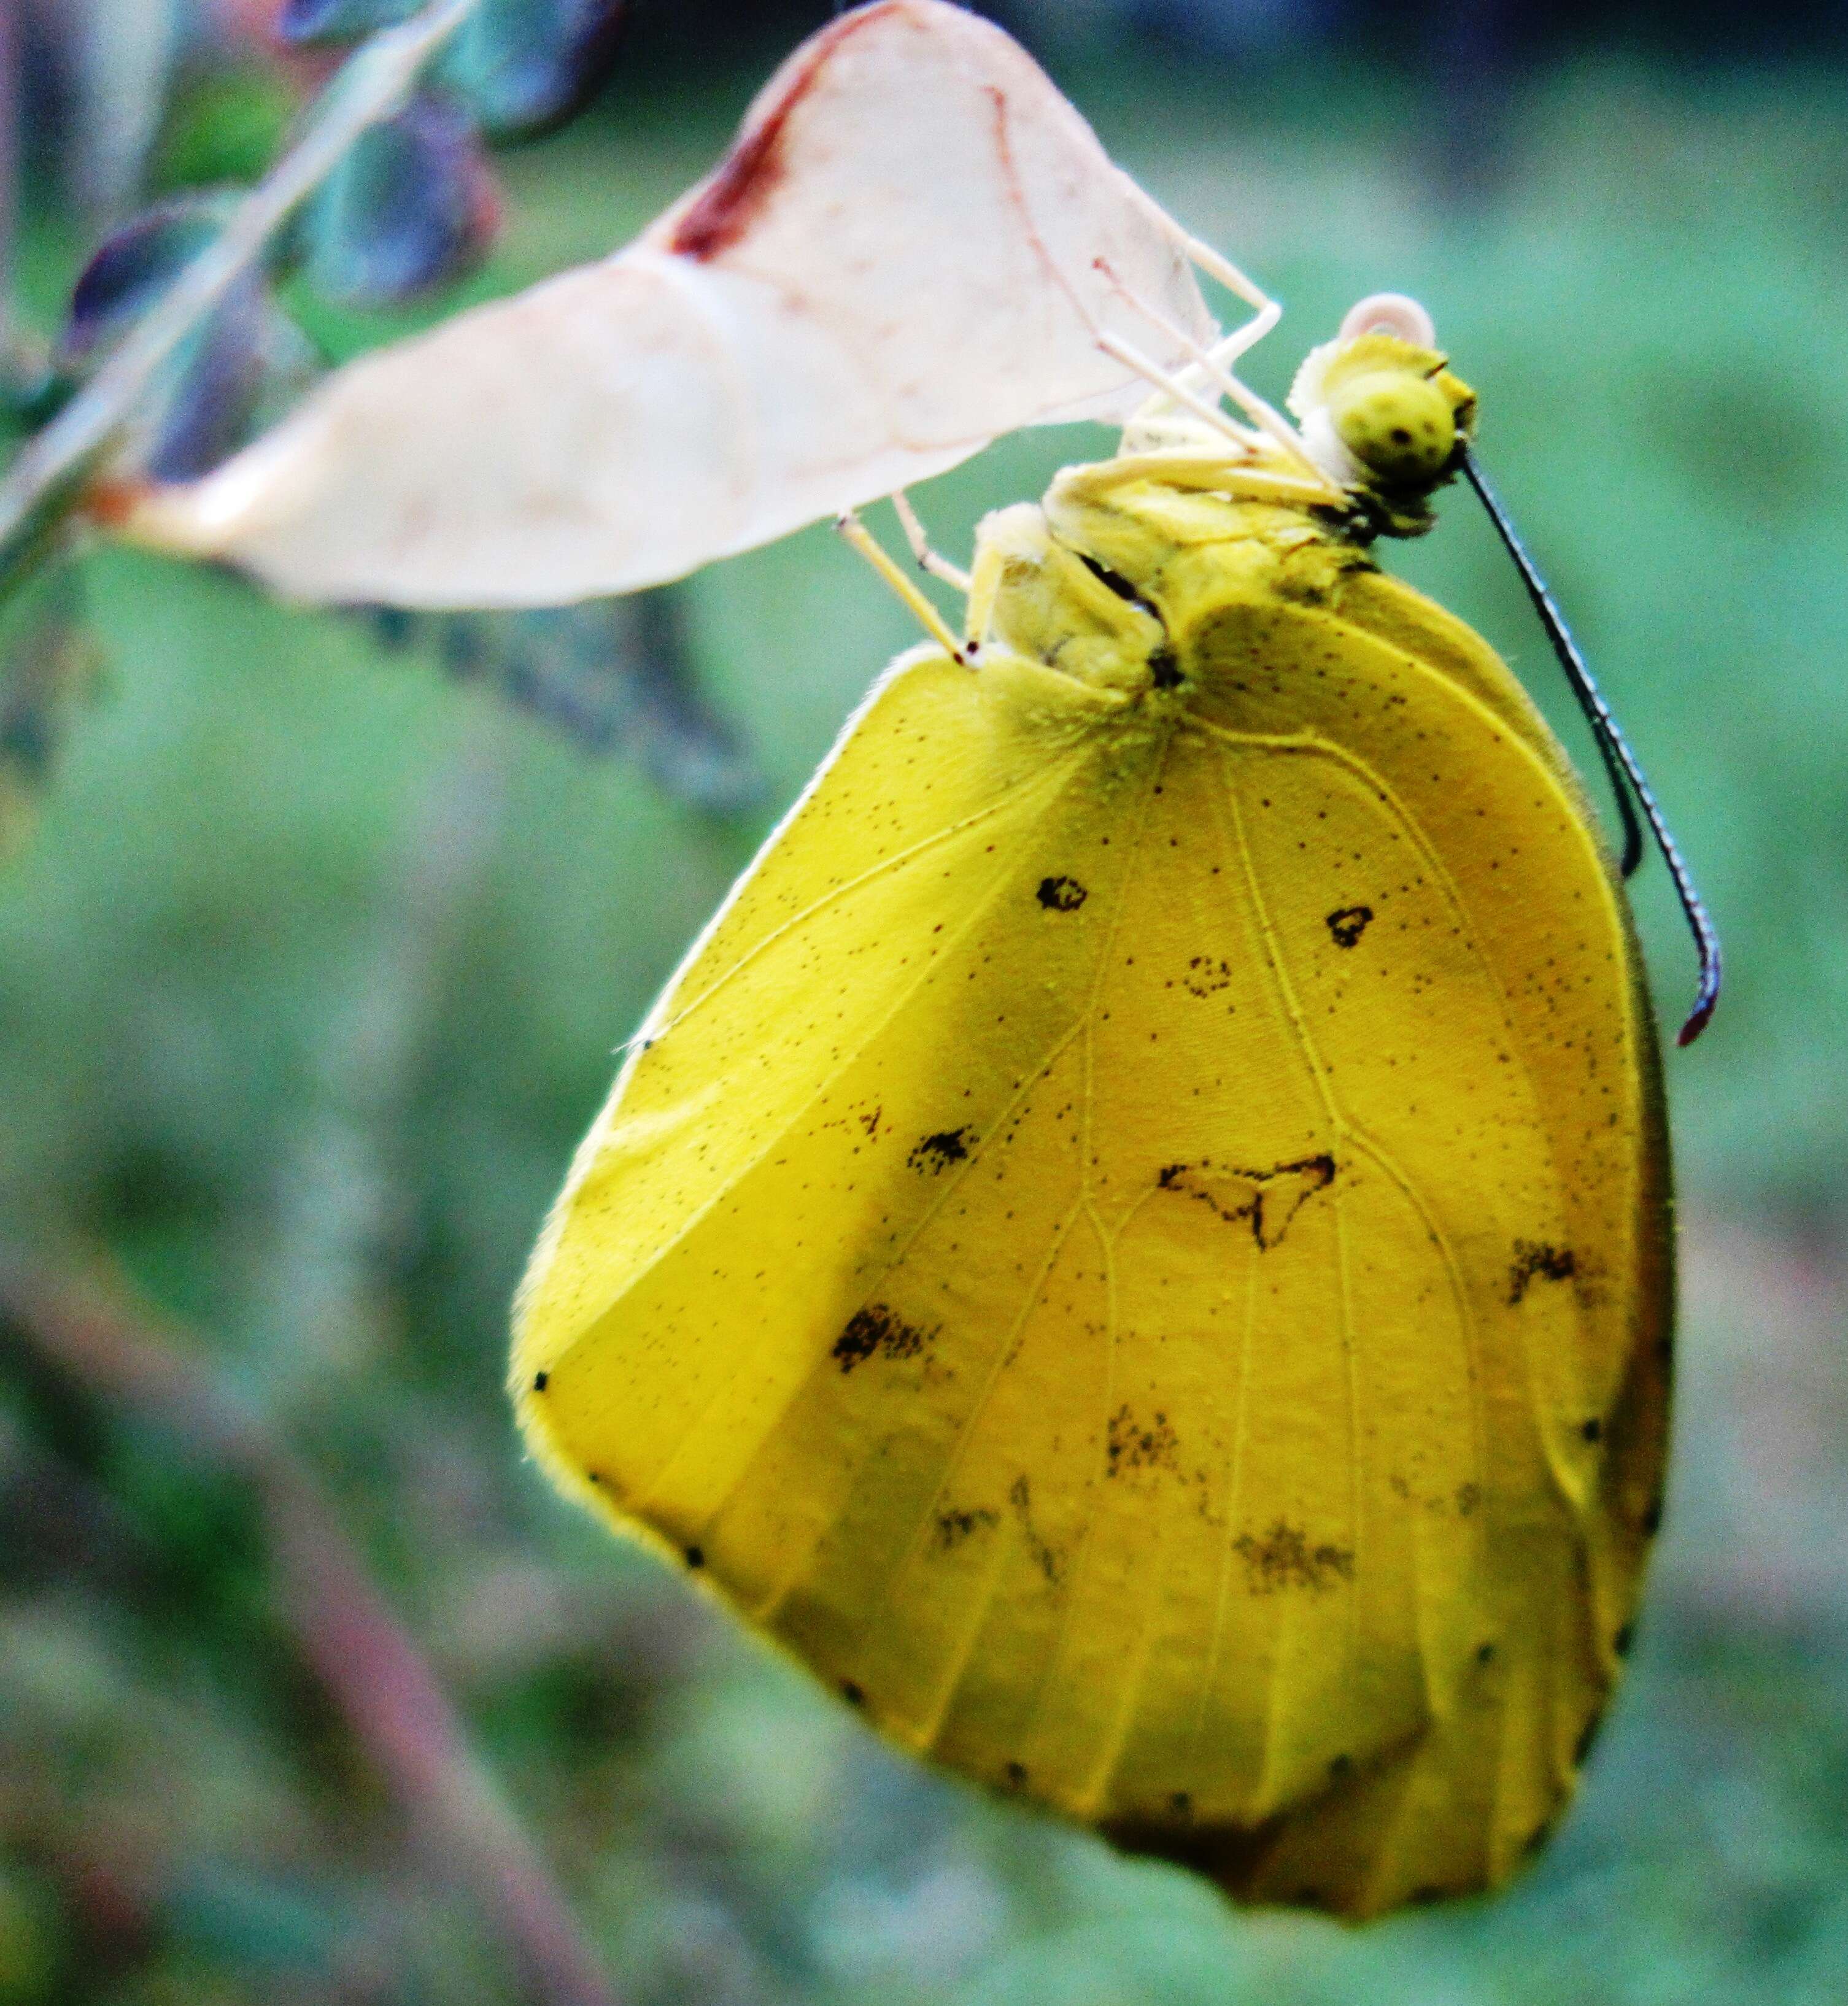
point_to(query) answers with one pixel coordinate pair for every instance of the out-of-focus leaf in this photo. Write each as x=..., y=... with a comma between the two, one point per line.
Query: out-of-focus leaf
x=130, y=271
x=522, y=65
x=614, y=674
x=519, y=65
x=48, y=663
x=337, y=20
x=411, y=206
x=213, y=390
x=685, y=747
x=31, y=391
x=207, y=413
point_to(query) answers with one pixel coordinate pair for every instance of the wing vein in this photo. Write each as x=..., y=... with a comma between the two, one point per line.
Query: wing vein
x=976, y=914
x=1234, y=1491
x=1569, y=1484
x=1081, y=1556
x=1004, y=1351
x=1308, y=745
x=921, y=1531
x=1053, y=781
x=1312, y=1058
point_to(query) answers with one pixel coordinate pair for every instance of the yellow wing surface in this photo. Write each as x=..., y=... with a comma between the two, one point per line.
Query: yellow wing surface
x=1137, y=1244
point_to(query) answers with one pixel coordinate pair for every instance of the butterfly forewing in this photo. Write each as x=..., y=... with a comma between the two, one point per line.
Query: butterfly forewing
x=787, y=1122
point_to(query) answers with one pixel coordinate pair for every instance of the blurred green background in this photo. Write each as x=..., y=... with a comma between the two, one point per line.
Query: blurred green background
x=312, y=971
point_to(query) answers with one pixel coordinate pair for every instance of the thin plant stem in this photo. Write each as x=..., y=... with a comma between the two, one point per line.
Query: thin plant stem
x=51, y=471
x=86, y=1324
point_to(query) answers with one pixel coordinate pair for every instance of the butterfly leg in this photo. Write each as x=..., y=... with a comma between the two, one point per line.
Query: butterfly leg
x=1212, y=364
x=984, y=588
x=927, y=559
x=856, y=533
x=1266, y=312
x=1209, y=473
x=1171, y=386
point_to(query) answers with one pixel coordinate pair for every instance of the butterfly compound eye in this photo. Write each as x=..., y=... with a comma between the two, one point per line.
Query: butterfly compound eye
x=1398, y=424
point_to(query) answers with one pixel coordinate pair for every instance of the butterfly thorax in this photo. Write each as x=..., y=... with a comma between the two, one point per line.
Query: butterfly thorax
x=1114, y=577
x=1114, y=592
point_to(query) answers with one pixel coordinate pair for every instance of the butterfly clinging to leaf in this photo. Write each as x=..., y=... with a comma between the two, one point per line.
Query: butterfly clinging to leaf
x=1137, y=1244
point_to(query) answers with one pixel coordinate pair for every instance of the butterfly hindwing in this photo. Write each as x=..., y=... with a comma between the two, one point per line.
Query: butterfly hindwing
x=1128, y=1251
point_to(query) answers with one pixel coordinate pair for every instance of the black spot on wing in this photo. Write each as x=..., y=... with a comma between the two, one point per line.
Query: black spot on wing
x=1347, y=923
x=1283, y=1559
x=877, y=1331
x=1061, y=895
x=1046, y=1557
x=953, y=1527
x=936, y=1152
x=1206, y=976
x=1535, y=1260
x=1131, y=1443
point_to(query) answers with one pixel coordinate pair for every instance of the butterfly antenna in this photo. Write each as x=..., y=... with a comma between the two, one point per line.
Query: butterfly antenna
x=1627, y=777
x=1611, y=748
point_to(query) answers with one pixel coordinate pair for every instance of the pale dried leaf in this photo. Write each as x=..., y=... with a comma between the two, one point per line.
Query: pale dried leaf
x=910, y=250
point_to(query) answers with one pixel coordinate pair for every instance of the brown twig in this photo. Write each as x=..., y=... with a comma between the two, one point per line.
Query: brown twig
x=87, y=1327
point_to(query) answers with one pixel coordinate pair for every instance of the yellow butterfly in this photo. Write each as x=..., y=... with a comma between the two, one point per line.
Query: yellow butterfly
x=1138, y=1243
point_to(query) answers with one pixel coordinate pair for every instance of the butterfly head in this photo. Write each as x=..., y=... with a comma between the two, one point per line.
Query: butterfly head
x=1381, y=413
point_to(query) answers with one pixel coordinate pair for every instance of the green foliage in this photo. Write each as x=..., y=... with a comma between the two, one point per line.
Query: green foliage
x=222, y=126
